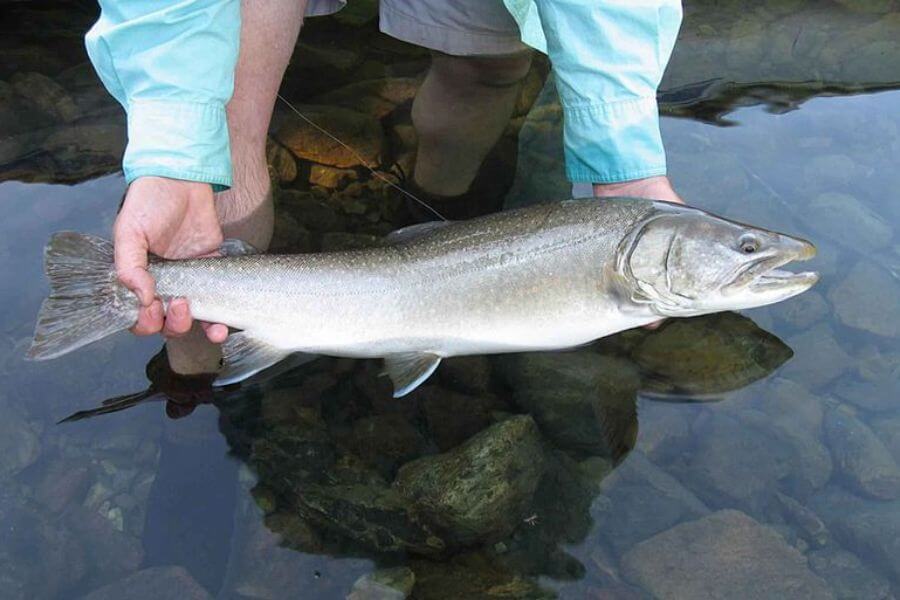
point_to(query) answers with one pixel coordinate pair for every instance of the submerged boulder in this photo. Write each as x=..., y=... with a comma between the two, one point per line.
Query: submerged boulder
x=480, y=491
x=724, y=555
x=861, y=459
x=362, y=136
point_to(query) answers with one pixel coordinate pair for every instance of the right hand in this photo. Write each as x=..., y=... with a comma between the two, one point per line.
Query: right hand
x=172, y=219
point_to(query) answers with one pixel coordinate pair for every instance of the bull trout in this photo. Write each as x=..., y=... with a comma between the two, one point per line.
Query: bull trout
x=546, y=277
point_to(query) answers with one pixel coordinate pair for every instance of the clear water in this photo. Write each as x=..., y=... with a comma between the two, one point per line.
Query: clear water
x=623, y=455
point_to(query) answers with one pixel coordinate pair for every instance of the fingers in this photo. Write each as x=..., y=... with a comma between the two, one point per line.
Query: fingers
x=215, y=332
x=178, y=319
x=150, y=319
x=131, y=265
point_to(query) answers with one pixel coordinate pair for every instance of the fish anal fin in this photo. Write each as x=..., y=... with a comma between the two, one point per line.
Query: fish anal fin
x=408, y=370
x=243, y=356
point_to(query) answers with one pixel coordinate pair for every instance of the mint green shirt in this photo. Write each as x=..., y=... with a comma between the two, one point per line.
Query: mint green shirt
x=171, y=66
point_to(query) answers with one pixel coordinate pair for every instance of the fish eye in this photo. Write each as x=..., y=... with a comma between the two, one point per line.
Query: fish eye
x=749, y=244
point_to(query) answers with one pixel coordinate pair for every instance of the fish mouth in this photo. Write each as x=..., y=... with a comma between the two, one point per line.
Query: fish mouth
x=768, y=278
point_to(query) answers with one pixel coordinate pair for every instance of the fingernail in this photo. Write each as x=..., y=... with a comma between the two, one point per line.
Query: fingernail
x=155, y=312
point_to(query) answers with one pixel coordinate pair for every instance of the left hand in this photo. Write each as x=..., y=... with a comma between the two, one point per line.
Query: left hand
x=654, y=188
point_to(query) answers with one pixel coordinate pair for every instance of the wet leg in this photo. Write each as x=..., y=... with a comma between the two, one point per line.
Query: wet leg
x=460, y=113
x=269, y=31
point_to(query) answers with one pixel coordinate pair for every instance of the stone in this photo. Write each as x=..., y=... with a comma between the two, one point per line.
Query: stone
x=848, y=577
x=848, y=221
x=807, y=522
x=860, y=458
x=310, y=212
x=61, y=484
x=467, y=374
x=868, y=298
x=867, y=6
x=110, y=554
x=45, y=94
x=330, y=177
x=724, y=555
x=888, y=431
x=867, y=528
x=384, y=584
x=643, y=501
x=804, y=310
x=335, y=241
x=376, y=97
x=582, y=401
x=473, y=575
x=19, y=443
x=712, y=354
x=873, y=387
x=818, y=357
x=154, y=582
x=362, y=137
x=452, y=417
x=281, y=162
x=86, y=148
x=386, y=441
x=480, y=491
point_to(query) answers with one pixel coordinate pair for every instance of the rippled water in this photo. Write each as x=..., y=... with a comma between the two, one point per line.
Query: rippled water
x=749, y=455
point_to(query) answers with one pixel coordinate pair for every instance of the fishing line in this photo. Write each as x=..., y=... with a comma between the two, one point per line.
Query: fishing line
x=357, y=156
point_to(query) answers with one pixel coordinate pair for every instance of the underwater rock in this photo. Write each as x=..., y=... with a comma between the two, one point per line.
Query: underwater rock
x=888, y=431
x=110, y=554
x=867, y=6
x=804, y=310
x=39, y=556
x=723, y=555
x=709, y=354
x=334, y=241
x=62, y=483
x=809, y=525
x=848, y=577
x=643, y=501
x=154, y=582
x=309, y=211
x=860, y=458
x=452, y=417
x=281, y=162
x=818, y=357
x=868, y=298
x=384, y=584
x=45, y=94
x=386, y=441
x=480, y=491
x=330, y=177
x=362, y=133
x=665, y=429
x=473, y=575
x=19, y=444
x=582, y=401
x=848, y=221
x=874, y=387
x=868, y=528
x=376, y=97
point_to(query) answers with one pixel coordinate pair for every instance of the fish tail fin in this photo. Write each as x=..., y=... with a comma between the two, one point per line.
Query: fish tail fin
x=86, y=301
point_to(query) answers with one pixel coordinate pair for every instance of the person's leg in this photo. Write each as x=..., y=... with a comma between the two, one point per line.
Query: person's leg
x=459, y=113
x=269, y=31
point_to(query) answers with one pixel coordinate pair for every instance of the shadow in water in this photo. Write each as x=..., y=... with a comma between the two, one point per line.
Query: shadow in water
x=494, y=469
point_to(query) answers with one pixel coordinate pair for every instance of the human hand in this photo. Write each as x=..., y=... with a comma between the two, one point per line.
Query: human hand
x=172, y=219
x=655, y=188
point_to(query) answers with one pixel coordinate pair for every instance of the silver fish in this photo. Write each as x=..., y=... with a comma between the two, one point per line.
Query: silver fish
x=540, y=278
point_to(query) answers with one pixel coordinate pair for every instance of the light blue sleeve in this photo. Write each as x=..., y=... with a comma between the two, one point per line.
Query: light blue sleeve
x=608, y=59
x=171, y=65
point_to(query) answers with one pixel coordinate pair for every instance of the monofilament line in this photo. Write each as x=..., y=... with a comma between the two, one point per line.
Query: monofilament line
x=362, y=161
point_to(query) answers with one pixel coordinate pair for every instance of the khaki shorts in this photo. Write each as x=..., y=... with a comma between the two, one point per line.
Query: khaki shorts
x=457, y=27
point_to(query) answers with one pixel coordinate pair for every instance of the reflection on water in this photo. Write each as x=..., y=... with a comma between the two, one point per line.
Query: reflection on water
x=715, y=457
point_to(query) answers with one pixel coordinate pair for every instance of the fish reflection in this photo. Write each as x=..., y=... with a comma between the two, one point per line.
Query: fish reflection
x=500, y=462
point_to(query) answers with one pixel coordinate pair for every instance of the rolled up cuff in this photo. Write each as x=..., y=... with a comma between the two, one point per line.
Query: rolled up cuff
x=613, y=142
x=180, y=140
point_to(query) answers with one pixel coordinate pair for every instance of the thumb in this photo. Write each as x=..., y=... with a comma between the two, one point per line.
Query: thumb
x=131, y=264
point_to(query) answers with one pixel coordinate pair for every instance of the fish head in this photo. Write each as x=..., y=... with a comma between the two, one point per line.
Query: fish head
x=684, y=262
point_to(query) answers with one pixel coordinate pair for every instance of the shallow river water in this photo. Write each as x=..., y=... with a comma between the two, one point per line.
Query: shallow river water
x=752, y=455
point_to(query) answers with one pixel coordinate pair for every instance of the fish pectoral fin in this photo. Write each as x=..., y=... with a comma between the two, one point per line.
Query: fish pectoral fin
x=243, y=356
x=236, y=247
x=412, y=232
x=408, y=370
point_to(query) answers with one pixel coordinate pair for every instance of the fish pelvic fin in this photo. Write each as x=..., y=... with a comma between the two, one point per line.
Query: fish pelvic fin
x=244, y=356
x=86, y=302
x=408, y=370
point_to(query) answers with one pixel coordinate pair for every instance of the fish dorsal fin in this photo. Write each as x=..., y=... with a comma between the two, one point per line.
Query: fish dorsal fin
x=408, y=370
x=412, y=232
x=243, y=356
x=235, y=247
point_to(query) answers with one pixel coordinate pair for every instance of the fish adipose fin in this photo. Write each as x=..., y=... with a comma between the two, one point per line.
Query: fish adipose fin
x=409, y=370
x=86, y=301
x=243, y=356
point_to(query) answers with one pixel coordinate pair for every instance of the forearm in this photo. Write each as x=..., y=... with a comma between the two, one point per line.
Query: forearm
x=171, y=66
x=608, y=58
